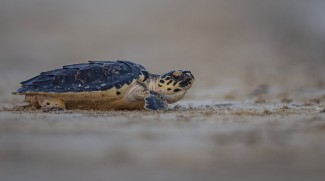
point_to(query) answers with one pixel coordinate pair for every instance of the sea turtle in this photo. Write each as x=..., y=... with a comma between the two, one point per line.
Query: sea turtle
x=105, y=85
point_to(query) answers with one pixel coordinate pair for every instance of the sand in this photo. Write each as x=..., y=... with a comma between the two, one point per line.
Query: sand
x=193, y=140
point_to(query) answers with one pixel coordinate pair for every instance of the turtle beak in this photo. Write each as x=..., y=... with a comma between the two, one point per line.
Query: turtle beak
x=189, y=74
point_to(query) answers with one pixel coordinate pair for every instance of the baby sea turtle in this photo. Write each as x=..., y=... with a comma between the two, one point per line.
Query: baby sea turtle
x=105, y=85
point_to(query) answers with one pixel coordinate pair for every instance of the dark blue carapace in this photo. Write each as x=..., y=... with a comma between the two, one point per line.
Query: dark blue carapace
x=91, y=76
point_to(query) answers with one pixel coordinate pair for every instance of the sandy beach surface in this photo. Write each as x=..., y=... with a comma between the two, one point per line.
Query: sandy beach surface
x=193, y=140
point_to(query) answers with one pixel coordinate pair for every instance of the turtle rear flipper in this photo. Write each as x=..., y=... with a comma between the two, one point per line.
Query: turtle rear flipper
x=154, y=101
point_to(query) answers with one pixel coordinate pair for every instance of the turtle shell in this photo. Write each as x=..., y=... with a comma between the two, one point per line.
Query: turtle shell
x=86, y=77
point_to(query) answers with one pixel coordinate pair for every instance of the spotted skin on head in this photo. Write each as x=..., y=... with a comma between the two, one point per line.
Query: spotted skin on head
x=176, y=80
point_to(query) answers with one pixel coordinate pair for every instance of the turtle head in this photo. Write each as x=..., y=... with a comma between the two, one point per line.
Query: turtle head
x=174, y=84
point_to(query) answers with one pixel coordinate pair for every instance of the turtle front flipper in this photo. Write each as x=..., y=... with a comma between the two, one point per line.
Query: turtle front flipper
x=154, y=101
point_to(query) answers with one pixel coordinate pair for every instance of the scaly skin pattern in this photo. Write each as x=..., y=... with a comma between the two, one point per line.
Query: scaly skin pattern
x=105, y=85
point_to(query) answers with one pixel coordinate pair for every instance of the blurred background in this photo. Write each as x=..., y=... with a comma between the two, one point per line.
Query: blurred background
x=235, y=49
x=227, y=44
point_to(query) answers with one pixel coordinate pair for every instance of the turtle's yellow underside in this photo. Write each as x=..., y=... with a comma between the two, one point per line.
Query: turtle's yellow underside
x=111, y=99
